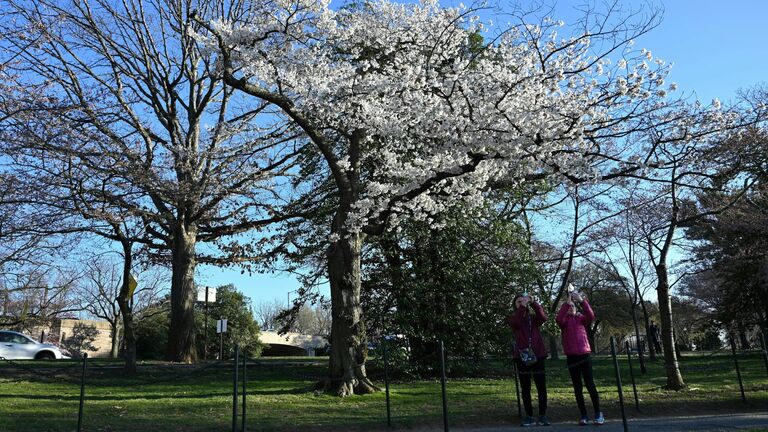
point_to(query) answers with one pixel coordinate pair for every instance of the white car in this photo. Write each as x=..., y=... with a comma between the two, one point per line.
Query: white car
x=17, y=346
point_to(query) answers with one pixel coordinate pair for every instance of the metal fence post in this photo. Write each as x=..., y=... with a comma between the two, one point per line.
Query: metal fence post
x=386, y=381
x=442, y=382
x=245, y=368
x=517, y=389
x=632, y=376
x=82, y=393
x=765, y=348
x=738, y=371
x=618, y=383
x=234, y=389
x=221, y=346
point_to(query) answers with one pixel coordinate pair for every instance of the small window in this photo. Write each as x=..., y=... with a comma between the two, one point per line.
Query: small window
x=19, y=339
x=5, y=337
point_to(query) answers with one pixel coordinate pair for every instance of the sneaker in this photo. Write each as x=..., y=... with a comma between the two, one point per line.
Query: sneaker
x=599, y=419
x=528, y=421
x=543, y=421
x=584, y=421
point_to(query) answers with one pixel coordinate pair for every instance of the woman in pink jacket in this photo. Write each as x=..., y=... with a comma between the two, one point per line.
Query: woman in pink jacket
x=576, y=347
x=525, y=323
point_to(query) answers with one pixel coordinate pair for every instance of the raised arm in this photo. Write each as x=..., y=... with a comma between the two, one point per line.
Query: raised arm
x=562, y=313
x=588, y=315
x=541, y=316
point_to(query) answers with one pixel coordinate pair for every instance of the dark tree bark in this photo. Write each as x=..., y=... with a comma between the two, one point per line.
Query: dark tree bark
x=348, y=338
x=114, y=333
x=126, y=309
x=647, y=324
x=553, y=347
x=181, y=339
x=674, y=377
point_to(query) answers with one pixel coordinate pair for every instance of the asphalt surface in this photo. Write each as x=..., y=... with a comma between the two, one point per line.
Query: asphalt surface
x=729, y=422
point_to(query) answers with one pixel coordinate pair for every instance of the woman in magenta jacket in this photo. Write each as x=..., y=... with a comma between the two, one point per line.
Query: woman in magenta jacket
x=578, y=352
x=525, y=323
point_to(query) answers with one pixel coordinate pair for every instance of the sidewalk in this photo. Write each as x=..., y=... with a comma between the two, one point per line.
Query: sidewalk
x=750, y=422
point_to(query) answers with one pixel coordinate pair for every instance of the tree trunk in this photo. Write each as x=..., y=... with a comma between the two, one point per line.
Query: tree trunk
x=553, y=346
x=126, y=310
x=181, y=338
x=348, y=339
x=115, y=333
x=637, y=339
x=128, y=334
x=743, y=339
x=647, y=323
x=591, y=334
x=674, y=377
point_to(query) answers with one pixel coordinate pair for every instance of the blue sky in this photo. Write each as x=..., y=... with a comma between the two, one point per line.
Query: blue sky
x=716, y=47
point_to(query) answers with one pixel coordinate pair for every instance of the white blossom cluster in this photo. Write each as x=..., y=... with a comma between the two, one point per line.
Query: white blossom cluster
x=431, y=102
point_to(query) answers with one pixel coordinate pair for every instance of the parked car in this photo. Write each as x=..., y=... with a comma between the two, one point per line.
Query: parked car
x=17, y=346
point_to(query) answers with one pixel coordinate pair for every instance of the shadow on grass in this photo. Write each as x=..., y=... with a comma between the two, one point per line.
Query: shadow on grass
x=111, y=398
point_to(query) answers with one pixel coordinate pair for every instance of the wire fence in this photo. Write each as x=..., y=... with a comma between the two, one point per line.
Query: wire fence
x=464, y=387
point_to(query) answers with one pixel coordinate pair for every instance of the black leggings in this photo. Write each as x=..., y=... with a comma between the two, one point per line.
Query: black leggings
x=581, y=366
x=525, y=373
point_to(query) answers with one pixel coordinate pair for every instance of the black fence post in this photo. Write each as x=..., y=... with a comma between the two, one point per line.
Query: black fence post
x=386, y=381
x=764, y=342
x=234, y=389
x=632, y=376
x=221, y=346
x=738, y=371
x=82, y=393
x=517, y=389
x=245, y=368
x=442, y=382
x=618, y=383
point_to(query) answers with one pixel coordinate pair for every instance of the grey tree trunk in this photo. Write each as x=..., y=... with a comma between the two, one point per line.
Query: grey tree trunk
x=348, y=338
x=743, y=339
x=647, y=323
x=181, y=338
x=674, y=377
x=115, y=334
x=126, y=310
x=637, y=338
x=553, y=346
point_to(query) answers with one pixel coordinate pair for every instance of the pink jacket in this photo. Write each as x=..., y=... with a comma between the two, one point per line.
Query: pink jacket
x=519, y=324
x=575, y=340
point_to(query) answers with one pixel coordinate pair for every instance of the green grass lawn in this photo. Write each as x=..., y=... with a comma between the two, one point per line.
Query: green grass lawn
x=179, y=398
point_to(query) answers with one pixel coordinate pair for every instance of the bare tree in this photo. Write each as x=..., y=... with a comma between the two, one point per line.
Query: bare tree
x=584, y=211
x=313, y=320
x=142, y=124
x=621, y=252
x=37, y=296
x=99, y=295
x=684, y=169
x=266, y=314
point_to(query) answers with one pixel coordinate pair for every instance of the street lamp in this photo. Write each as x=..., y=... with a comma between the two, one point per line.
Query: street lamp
x=206, y=294
x=288, y=295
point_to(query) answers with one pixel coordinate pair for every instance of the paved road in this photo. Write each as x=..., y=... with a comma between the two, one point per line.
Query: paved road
x=751, y=422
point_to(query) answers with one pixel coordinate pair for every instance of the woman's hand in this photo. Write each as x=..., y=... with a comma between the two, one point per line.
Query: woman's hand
x=576, y=297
